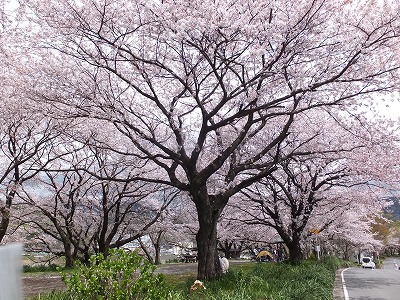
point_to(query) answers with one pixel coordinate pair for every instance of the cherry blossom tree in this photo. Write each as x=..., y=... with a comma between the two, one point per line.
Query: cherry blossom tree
x=86, y=214
x=350, y=232
x=235, y=236
x=392, y=245
x=206, y=92
x=25, y=149
x=172, y=228
x=26, y=137
x=307, y=193
x=57, y=212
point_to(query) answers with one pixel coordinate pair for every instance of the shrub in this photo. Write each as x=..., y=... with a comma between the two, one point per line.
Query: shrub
x=121, y=276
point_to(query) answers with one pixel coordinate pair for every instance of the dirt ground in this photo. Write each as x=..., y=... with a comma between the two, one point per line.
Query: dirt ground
x=36, y=285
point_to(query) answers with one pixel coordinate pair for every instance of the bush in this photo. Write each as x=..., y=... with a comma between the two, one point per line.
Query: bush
x=121, y=276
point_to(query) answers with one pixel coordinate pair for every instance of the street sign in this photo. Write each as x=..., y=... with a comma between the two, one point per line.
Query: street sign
x=314, y=231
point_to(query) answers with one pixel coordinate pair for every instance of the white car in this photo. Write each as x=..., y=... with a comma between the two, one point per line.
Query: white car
x=367, y=262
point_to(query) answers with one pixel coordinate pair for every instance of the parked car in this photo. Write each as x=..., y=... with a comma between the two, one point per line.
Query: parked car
x=367, y=262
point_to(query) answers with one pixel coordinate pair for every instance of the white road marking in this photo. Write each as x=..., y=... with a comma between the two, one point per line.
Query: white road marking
x=346, y=294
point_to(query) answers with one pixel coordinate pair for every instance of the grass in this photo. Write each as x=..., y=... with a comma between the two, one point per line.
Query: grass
x=63, y=295
x=312, y=280
x=40, y=268
x=307, y=280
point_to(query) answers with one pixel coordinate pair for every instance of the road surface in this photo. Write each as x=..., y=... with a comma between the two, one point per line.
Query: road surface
x=373, y=284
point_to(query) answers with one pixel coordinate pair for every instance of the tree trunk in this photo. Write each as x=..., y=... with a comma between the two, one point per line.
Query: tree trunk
x=295, y=252
x=86, y=257
x=5, y=219
x=69, y=251
x=104, y=248
x=346, y=254
x=146, y=251
x=5, y=213
x=208, y=260
x=157, y=248
x=69, y=260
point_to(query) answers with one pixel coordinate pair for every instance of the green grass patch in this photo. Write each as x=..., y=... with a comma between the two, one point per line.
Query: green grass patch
x=310, y=279
x=274, y=281
x=40, y=268
x=59, y=295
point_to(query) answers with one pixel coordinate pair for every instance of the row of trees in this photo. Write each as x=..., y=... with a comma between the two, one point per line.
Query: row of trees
x=256, y=112
x=75, y=205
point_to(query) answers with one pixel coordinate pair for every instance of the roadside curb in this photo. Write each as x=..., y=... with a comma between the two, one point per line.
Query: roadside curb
x=338, y=293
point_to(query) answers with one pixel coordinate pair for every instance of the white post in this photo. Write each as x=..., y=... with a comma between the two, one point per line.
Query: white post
x=10, y=272
x=318, y=249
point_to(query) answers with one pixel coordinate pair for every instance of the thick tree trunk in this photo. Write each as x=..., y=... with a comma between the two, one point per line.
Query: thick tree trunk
x=104, y=248
x=295, y=252
x=208, y=260
x=69, y=260
x=69, y=251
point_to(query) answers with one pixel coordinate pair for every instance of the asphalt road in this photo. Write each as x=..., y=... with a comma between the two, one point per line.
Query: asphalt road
x=373, y=284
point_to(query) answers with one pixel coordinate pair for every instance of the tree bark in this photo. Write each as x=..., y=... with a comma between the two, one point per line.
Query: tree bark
x=295, y=252
x=146, y=251
x=103, y=246
x=5, y=219
x=157, y=248
x=5, y=211
x=208, y=260
x=69, y=260
x=86, y=256
x=70, y=250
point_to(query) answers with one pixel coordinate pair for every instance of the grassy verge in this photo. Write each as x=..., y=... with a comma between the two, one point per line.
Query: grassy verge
x=307, y=280
x=268, y=281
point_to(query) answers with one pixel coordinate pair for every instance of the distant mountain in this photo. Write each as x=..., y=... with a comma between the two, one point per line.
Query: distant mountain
x=392, y=212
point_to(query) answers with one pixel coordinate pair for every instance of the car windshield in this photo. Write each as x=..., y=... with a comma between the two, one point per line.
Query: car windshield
x=366, y=259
